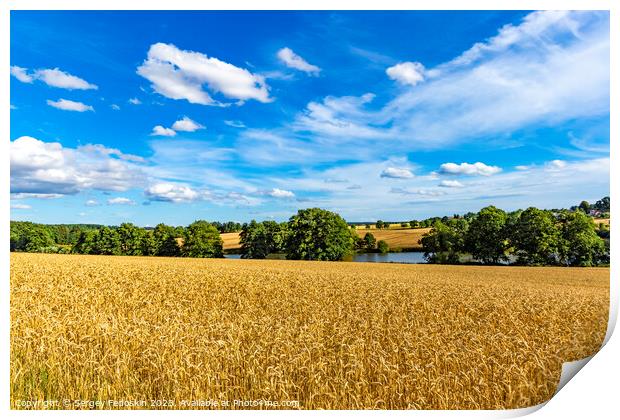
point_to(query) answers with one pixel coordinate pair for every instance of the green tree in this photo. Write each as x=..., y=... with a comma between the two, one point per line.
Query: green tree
x=369, y=241
x=106, y=242
x=444, y=243
x=585, y=207
x=255, y=241
x=148, y=246
x=580, y=244
x=486, y=236
x=383, y=247
x=165, y=238
x=535, y=238
x=202, y=240
x=603, y=205
x=317, y=234
x=379, y=224
x=130, y=237
x=85, y=243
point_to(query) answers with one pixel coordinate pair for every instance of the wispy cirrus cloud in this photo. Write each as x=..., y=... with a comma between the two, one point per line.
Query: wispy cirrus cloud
x=52, y=77
x=294, y=61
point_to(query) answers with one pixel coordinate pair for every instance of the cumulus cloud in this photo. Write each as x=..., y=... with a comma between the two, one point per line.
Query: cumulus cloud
x=465, y=168
x=134, y=101
x=159, y=130
x=68, y=105
x=180, y=74
x=123, y=201
x=400, y=173
x=186, y=124
x=170, y=192
x=294, y=61
x=407, y=73
x=451, y=184
x=52, y=77
x=115, y=107
x=91, y=203
x=49, y=169
x=278, y=193
x=21, y=74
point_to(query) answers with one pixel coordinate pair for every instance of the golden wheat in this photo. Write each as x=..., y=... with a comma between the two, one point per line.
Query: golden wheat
x=329, y=335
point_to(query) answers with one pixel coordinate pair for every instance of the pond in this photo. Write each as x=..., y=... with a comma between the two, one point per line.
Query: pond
x=390, y=257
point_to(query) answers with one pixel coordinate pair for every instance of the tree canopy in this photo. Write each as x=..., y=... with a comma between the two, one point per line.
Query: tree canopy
x=317, y=234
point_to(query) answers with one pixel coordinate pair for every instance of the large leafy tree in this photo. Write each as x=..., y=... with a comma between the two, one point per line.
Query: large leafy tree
x=486, y=236
x=317, y=234
x=580, y=244
x=165, y=241
x=131, y=239
x=202, y=240
x=106, y=242
x=261, y=239
x=535, y=237
x=445, y=242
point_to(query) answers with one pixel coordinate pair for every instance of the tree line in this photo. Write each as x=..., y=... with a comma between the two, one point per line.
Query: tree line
x=491, y=236
x=523, y=237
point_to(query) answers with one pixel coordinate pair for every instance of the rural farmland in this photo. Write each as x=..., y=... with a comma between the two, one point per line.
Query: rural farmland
x=328, y=335
x=395, y=238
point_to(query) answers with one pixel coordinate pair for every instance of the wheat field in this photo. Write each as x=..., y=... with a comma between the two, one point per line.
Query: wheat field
x=325, y=335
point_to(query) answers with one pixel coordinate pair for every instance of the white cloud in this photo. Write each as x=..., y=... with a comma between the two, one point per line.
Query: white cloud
x=278, y=193
x=115, y=107
x=338, y=117
x=60, y=79
x=21, y=74
x=235, y=124
x=294, y=61
x=52, y=77
x=407, y=73
x=18, y=196
x=123, y=201
x=522, y=167
x=20, y=206
x=465, y=168
x=46, y=170
x=91, y=203
x=67, y=105
x=422, y=192
x=550, y=72
x=13, y=107
x=401, y=173
x=180, y=74
x=135, y=101
x=174, y=193
x=159, y=130
x=555, y=164
x=186, y=124
x=451, y=184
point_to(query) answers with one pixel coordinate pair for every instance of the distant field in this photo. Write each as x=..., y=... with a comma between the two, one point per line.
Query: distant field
x=604, y=221
x=326, y=334
x=396, y=238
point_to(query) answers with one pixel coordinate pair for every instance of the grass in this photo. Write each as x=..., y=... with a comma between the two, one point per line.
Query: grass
x=329, y=335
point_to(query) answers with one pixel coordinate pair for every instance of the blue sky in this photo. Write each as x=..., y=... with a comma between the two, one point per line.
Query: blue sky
x=170, y=117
